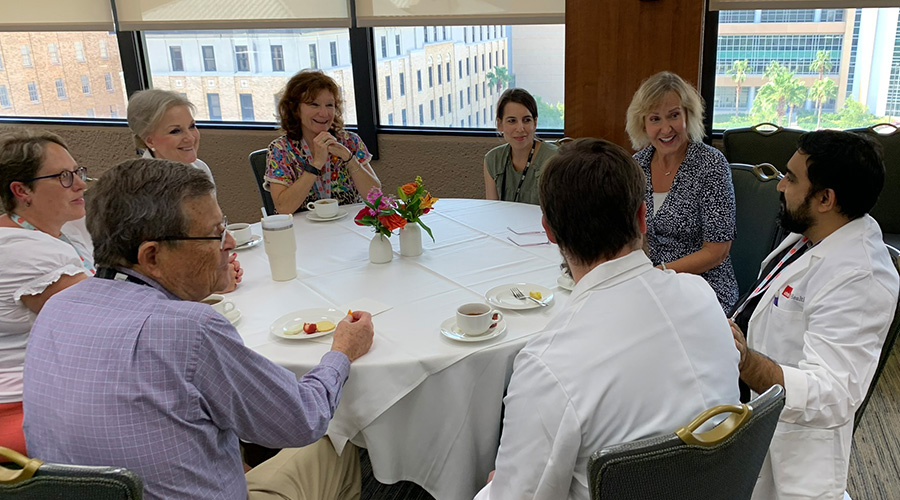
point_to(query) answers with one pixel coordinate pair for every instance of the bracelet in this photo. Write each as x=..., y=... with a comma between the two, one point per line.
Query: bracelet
x=311, y=169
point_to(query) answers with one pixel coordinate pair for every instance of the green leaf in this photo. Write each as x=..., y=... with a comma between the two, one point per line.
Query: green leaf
x=426, y=228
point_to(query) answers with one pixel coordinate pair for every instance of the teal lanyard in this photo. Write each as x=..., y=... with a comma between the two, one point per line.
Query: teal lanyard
x=86, y=260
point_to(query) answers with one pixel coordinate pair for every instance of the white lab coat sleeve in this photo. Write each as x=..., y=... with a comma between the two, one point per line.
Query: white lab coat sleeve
x=847, y=322
x=540, y=440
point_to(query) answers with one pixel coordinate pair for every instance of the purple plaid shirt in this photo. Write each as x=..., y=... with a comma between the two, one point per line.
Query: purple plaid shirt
x=122, y=374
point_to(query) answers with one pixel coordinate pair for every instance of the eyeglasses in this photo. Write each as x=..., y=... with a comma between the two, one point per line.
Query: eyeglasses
x=66, y=177
x=221, y=238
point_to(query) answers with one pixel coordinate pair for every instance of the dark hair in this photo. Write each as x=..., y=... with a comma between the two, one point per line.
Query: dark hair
x=140, y=200
x=591, y=191
x=21, y=156
x=304, y=87
x=848, y=163
x=518, y=96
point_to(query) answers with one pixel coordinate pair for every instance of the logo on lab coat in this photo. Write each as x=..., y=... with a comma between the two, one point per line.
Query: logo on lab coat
x=786, y=293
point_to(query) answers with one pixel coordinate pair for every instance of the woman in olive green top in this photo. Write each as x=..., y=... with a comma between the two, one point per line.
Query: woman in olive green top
x=512, y=171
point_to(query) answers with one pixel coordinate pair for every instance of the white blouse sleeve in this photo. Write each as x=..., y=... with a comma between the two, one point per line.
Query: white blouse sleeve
x=33, y=261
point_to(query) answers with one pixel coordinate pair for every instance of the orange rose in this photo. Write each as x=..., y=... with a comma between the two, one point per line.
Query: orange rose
x=392, y=221
x=409, y=189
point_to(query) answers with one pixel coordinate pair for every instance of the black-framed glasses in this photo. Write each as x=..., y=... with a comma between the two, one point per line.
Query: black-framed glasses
x=221, y=238
x=66, y=177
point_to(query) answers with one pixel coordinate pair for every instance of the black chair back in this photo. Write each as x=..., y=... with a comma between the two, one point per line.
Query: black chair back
x=39, y=481
x=889, y=341
x=721, y=463
x=887, y=210
x=762, y=143
x=758, y=231
x=258, y=164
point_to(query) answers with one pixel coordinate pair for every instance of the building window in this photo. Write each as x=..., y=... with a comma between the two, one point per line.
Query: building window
x=33, y=92
x=430, y=77
x=387, y=86
x=242, y=58
x=403, y=116
x=468, y=67
x=390, y=118
x=384, y=47
x=449, y=104
x=460, y=99
x=483, y=67
x=441, y=105
x=61, y=88
x=419, y=79
x=439, y=74
x=421, y=115
x=334, y=58
x=175, y=57
x=54, y=53
x=277, y=58
x=247, y=107
x=425, y=32
x=26, y=56
x=109, y=82
x=79, y=52
x=460, y=70
x=402, y=84
x=113, y=111
x=469, y=96
x=104, y=50
x=476, y=92
x=85, y=85
x=209, y=57
x=397, y=47
x=431, y=104
x=215, y=109
x=313, y=57
x=483, y=89
x=475, y=63
x=4, y=97
x=89, y=113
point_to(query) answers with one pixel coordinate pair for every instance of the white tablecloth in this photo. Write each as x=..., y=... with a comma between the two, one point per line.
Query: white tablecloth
x=427, y=408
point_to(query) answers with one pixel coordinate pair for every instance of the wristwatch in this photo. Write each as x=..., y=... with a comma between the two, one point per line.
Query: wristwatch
x=311, y=169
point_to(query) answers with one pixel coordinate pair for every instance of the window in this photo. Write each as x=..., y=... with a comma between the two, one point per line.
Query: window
x=113, y=111
x=26, y=56
x=397, y=50
x=209, y=57
x=334, y=56
x=313, y=57
x=431, y=104
x=79, y=51
x=33, y=92
x=475, y=63
x=476, y=92
x=441, y=105
x=277, y=58
x=175, y=58
x=387, y=86
x=461, y=99
x=213, y=106
x=483, y=90
x=247, y=107
x=109, y=82
x=85, y=85
x=421, y=115
x=430, y=77
x=61, y=88
x=53, y=50
x=403, y=116
x=241, y=58
x=419, y=79
x=439, y=74
x=483, y=67
x=104, y=49
x=425, y=31
x=448, y=68
x=4, y=97
x=384, y=47
x=459, y=73
x=468, y=67
x=449, y=104
x=390, y=118
x=469, y=95
x=402, y=84
x=89, y=113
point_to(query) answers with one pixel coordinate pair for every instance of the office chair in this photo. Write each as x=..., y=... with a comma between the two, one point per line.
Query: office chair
x=761, y=143
x=887, y=209
x=258, y=164
x=757, y=205
x=37, y=480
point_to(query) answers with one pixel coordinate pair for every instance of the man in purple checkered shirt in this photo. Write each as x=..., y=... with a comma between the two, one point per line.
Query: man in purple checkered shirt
x=129, y=369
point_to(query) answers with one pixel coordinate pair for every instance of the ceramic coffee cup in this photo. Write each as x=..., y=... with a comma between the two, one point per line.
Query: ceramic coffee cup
x=241, y=232
x=219, y=303
x=476, y=318
x=325, y=209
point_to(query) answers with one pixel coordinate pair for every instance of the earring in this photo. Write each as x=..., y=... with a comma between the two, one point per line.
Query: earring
x=27, y=203
x=152, y=149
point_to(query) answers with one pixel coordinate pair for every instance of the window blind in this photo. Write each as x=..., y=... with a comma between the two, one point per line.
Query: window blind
x=231, y=14
x=458, y=12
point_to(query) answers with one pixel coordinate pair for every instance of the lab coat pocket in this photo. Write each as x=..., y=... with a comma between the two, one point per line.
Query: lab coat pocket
x=804, y=462
x=786, y=335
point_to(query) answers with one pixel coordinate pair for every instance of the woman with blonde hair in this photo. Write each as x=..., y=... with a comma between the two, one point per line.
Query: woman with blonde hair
x=316, y=158
x=690, y=197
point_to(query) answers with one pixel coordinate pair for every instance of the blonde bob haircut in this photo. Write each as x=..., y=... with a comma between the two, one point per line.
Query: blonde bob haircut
x=648, y=97
x=147, y=108
x=303, y=88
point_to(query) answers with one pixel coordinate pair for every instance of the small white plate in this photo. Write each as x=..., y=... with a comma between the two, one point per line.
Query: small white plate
x=500, y=296
x=449, y=330
x=565, y=282
x=297, y=318
x=315, y=218
x=252, y=242
x=233, y=316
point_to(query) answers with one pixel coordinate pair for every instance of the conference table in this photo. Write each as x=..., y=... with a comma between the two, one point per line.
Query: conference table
x=427, y=408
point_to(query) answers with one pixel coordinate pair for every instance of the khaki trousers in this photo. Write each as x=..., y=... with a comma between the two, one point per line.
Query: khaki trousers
x=314, y=472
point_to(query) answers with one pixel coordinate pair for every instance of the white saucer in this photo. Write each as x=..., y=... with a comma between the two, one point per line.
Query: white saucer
x=501, y=296
x=252, y=242
x=293, y=319
x=233, y=316
x=565, y=282
x=315, y=218
x=449, y=330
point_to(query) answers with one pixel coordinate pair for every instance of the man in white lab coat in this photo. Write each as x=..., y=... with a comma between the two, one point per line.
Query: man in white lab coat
x=636, y=351
x=818, y=315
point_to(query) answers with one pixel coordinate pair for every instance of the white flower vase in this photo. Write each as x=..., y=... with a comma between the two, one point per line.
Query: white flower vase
x=411, y=240
x=380, y=251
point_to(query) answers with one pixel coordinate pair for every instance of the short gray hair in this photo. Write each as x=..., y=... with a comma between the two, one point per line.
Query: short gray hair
x=140, y=200
x=649, y=95
x=146, y=109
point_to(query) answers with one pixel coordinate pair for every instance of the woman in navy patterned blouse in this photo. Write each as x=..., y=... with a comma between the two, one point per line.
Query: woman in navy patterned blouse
x=690, y=197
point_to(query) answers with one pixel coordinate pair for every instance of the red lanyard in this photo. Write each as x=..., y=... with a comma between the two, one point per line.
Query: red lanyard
x=774, y=273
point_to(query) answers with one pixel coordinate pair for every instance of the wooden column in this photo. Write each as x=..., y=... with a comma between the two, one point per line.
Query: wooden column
x=613, y=45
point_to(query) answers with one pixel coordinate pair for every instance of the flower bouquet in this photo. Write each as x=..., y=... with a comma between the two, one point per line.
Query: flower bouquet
x=380, y=213
x=414, y=202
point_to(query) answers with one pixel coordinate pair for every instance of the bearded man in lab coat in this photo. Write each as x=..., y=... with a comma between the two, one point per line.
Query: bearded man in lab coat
x=818, y=315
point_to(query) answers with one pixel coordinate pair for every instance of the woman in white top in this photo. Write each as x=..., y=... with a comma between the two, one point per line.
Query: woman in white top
x=163, y=126
x=42, y=189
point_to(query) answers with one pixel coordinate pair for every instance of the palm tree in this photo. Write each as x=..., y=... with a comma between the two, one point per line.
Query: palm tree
x=821, y=63
x=781, y=91
x=820, y=92
x=499, y=77
x=738, y=72
x=795, y=95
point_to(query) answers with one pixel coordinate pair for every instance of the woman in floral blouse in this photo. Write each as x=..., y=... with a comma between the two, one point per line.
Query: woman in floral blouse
x=316, y=158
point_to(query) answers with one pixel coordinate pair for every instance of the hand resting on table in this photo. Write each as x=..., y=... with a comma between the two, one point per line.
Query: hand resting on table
x=353, y=335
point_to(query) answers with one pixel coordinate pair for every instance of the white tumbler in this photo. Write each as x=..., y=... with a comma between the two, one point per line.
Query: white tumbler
x=281, y=247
